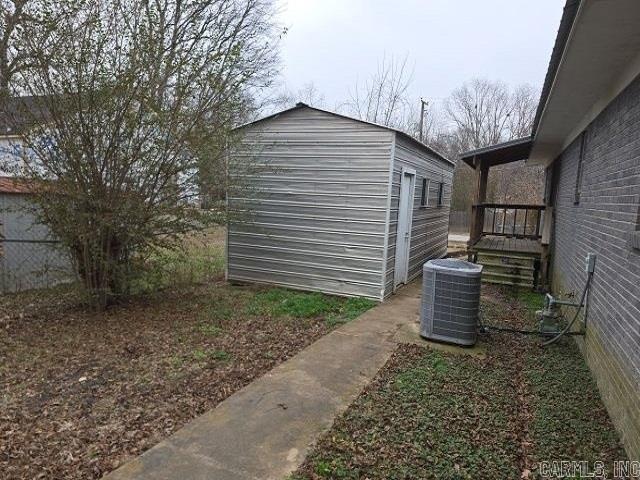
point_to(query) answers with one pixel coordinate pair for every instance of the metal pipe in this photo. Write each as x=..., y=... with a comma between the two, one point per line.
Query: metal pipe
x=575, y=317
x=564, y=302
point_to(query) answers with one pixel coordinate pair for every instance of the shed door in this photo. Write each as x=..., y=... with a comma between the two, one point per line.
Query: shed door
x=403, y=237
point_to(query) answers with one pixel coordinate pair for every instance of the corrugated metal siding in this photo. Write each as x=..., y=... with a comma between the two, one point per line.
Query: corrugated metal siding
x=319, y=210
x=30, y=258
x=430, y=225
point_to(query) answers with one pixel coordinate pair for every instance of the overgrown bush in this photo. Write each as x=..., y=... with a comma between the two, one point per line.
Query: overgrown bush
x=132, y=109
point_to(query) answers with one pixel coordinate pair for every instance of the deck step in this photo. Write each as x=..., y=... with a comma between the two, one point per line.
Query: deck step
x=508, y=268
x=505, y=282
x=506, y=260
x=515, y=280
x=507, y=277
x=501, y=266
x=501, y=253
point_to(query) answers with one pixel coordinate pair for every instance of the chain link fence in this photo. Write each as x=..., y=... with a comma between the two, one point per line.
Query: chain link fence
x=29, y=257
x=27, y=264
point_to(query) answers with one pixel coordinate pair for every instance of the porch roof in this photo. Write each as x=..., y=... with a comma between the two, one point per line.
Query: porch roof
x=506, y=152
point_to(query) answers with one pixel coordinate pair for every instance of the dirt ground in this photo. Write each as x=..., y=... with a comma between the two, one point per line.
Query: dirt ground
x=82, y=392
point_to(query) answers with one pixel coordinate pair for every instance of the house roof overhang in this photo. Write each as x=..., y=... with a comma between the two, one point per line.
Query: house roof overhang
x=501, y=153
x=597, y=54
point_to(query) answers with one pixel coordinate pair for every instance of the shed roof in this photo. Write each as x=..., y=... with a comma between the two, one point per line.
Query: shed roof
x=500, y=153
x=14, y=185
x=404, y=135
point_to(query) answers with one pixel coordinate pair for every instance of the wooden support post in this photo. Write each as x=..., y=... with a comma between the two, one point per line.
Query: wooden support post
x=477, y=213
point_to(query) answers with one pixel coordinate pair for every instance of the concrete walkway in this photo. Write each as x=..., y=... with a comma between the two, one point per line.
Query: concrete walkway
x=462, y=238
x=265, y=430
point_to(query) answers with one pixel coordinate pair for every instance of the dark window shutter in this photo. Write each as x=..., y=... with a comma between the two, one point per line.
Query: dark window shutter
x=579, y=173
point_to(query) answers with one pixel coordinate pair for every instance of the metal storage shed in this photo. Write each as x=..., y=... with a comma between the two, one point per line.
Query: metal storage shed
x=333, y=197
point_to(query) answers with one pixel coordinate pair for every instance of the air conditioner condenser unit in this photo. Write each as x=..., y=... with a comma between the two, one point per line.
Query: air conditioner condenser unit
x=450, y=301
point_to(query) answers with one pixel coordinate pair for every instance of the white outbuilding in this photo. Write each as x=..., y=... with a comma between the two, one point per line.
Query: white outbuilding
x=343, y=206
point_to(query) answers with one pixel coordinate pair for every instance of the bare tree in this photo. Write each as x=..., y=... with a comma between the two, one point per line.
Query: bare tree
x=480, y=111
x=383, y=97
x=14, y=15
x=140, y=99
x=434, y=125
x=285, y=98
x=484, y=113
x=517, y=182
x=18, y=20
x=524, y=102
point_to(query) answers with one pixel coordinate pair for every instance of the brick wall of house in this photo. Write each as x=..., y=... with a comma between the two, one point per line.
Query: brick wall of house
x=604, y=222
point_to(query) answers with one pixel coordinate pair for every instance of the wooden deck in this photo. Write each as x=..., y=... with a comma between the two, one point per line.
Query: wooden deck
x=508, y=244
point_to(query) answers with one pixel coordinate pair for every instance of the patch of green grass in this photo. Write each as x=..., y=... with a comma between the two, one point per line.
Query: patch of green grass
x=351, y=308
x=333, y=469
x=176, y=361
x=199, y=355
x=528, y=298
x=355, y=306
x=429, y=414
x=567, y=407
x=191, y=264
x=212, y=354
x=333, y=321
x=281, y=302
x=277, y=302
x=210, y=329
x=323, y=468
x=220, y=355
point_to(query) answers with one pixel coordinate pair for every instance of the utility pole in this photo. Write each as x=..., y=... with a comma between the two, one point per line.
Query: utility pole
x=423, y=107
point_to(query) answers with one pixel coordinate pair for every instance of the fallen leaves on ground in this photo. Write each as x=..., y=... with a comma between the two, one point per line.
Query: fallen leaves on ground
x=84, y=392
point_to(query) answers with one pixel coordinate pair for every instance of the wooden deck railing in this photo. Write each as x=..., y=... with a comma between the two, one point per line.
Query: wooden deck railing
x=509, y=220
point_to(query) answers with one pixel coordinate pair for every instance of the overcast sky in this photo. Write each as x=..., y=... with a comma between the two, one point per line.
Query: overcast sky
x=334, y=43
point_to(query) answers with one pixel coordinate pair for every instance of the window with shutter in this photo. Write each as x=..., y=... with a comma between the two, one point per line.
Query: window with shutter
x=635, y=236
x=424, y=199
